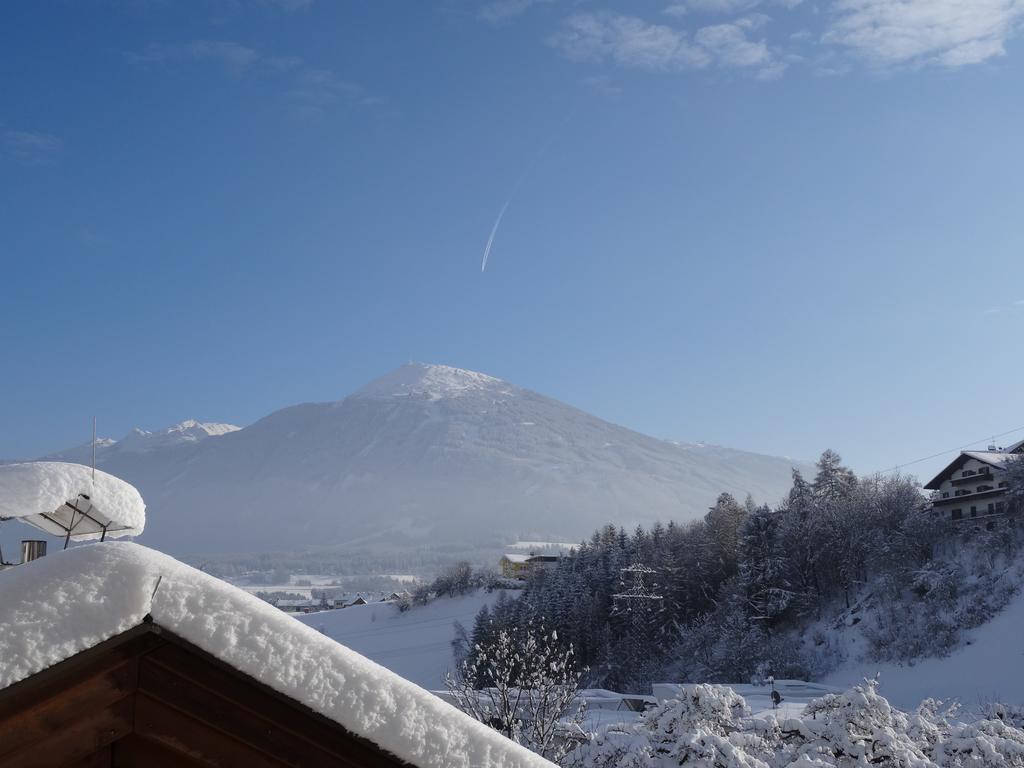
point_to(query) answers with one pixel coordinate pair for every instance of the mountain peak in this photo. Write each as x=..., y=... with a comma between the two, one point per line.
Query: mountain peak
x=189, y=430
x=432, y=382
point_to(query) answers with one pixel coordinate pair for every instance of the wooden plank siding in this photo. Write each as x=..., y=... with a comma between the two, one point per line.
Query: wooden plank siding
x=148, y=698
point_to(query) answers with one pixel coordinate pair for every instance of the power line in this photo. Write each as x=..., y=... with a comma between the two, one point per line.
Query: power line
x=951, y=450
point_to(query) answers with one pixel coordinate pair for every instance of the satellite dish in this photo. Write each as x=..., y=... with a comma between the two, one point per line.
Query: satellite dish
x=70, y=500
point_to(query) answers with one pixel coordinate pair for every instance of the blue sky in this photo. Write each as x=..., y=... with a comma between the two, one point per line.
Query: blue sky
x=779, y=226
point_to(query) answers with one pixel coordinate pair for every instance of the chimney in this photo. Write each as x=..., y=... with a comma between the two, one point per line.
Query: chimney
x=32, y=549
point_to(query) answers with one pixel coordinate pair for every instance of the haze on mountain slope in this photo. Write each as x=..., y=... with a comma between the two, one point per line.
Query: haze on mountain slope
x=427, y=455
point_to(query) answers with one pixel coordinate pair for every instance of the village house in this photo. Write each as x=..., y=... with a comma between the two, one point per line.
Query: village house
x=974, y=484
x=516, y=566
x=116, y=655
x=308, y=605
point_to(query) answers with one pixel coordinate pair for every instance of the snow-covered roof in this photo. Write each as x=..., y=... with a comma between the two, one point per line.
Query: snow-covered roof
x=514, y=557
x=997, y=459
x=57, y=497
x=55, y=607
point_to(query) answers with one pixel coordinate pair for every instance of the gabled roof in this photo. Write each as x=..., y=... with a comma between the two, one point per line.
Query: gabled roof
x=59, y=606
x=996, y=459
x=515, y=558
x=60, y=498
x=146, y=697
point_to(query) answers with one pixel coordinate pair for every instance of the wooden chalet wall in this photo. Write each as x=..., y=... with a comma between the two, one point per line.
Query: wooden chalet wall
x=147, y=698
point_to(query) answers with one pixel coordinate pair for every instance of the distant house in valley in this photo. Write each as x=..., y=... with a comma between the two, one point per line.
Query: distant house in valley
x=513, y=566
x=310, y=605
x=516, y=566
x=115, y=655
x=974, y=484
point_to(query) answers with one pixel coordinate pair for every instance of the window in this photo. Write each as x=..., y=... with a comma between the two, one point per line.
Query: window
x=991, y=508
x=974, y=511
x=957, y=514
x=984, y=488
x=945, y=494
x=1003, y=484
x=1000, y=506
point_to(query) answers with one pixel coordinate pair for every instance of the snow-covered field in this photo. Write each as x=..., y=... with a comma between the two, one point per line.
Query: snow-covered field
x=416, y=644
x=988, y=667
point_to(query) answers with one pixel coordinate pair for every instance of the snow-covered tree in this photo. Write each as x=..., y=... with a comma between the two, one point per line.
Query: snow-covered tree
x=1015, y=483
x=854, y=728
x=763, y=567
x=523, y=683
x=833, y=481
x=725, y=524
x=994, y=741
x=703, y=727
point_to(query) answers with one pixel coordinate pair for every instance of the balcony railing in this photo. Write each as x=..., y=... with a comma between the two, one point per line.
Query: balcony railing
x=969, y=496
x=975, y=478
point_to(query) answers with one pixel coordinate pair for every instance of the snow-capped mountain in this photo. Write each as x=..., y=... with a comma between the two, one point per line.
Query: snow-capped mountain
x=424, y=456
x=139, y=440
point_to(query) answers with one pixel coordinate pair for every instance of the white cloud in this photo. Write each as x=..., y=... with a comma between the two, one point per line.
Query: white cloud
x=309, y=91
x=1001, y=309
x=32, y=147
x=500, y=11
x=635, y=43
x=950, y=33
x=681, y=7
x=317, y=91
x=721, y=6
x=627, y=41
x=732, y=49
x=730, y=46
x=236, y=58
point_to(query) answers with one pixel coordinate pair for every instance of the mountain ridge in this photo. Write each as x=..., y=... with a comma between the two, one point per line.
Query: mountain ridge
x=426, y=455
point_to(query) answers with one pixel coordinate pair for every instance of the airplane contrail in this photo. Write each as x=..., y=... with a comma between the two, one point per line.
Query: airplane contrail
x=519, y=183
x=494, y=231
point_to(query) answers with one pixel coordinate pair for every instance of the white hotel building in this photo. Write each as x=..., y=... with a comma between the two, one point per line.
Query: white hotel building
x=974, y=484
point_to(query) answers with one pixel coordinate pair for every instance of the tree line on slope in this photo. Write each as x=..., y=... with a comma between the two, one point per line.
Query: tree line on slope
x=752, y=590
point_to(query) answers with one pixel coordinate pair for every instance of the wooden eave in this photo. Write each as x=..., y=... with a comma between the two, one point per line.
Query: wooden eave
x=149, y=698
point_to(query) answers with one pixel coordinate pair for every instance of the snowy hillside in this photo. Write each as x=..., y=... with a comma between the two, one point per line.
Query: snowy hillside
x=416, y=644
x=988, y=667
x=427, y=455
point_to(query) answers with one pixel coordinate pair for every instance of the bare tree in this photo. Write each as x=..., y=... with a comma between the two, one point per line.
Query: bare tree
x=524, y=684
